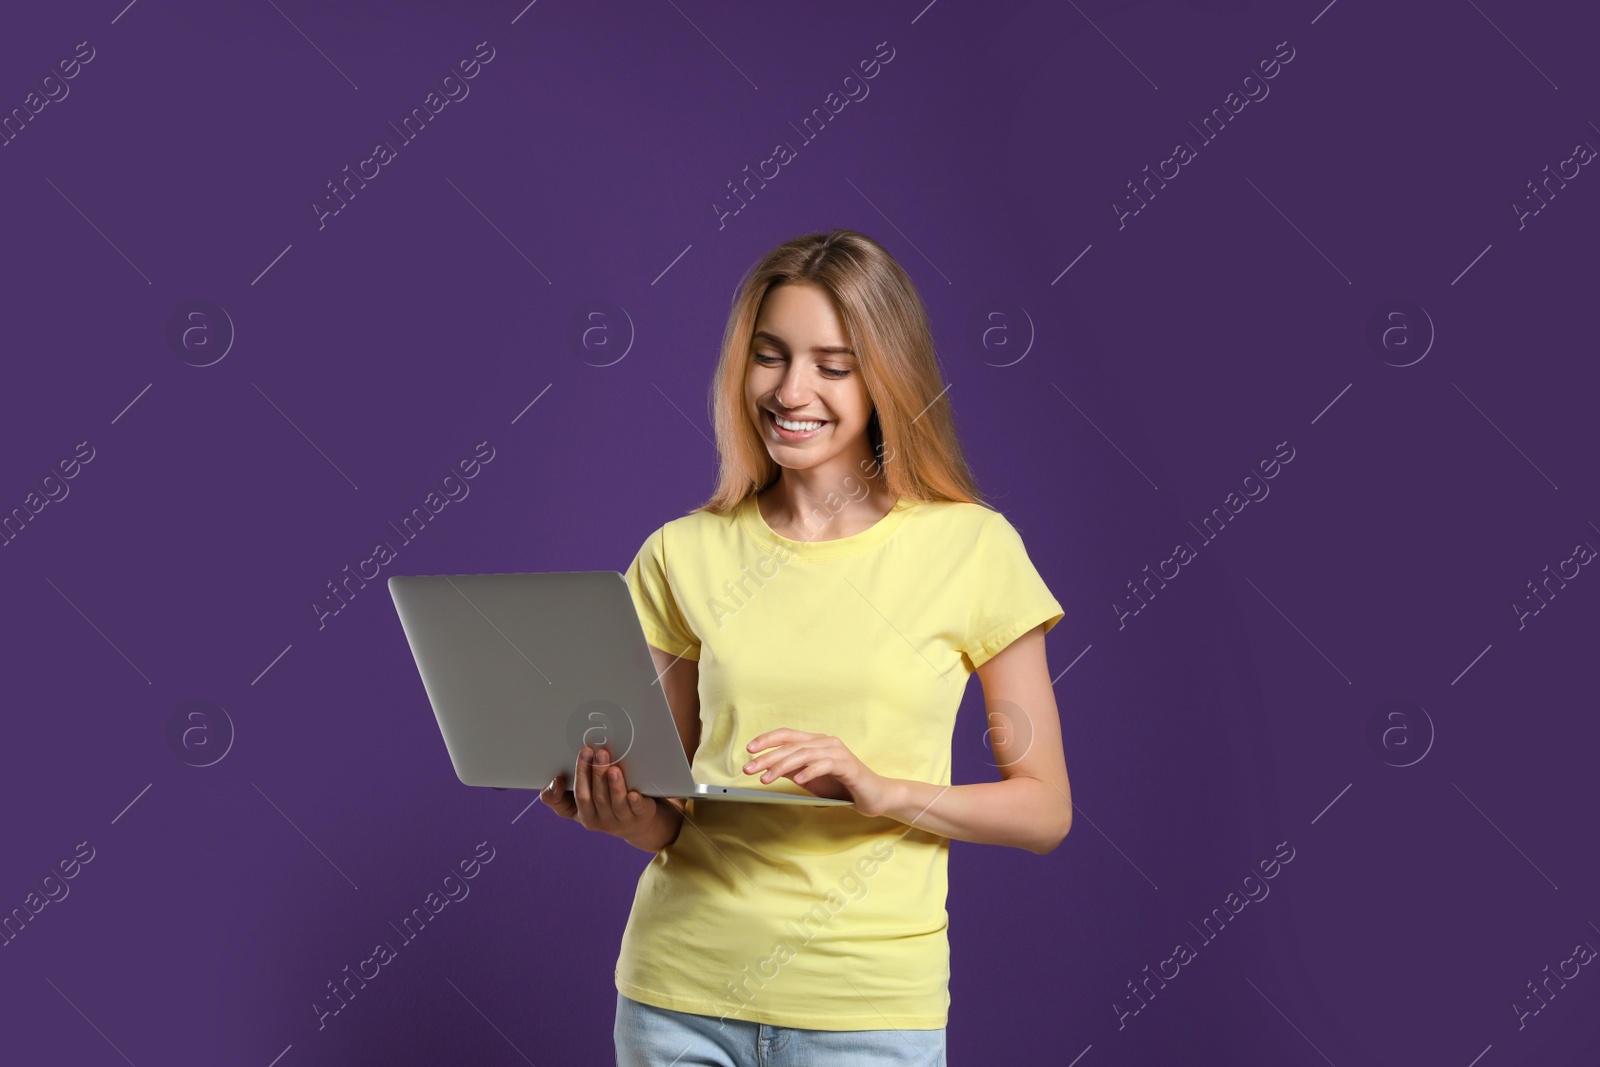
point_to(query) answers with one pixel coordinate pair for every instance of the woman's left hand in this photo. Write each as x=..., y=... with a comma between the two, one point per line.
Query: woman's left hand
x=823, y=765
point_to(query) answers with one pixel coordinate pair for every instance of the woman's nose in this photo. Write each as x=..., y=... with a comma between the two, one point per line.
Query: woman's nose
x=790, y=395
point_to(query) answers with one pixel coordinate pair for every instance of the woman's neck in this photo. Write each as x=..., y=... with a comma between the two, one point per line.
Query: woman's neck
x=823, y=512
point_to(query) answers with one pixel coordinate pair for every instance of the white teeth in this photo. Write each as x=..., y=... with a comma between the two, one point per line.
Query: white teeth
x=801, y=427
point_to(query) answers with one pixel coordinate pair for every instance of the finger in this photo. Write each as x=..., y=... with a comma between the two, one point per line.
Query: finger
x=582, y=788
x=816, y=744
x=820, y=757
x=554, y=796
x=604, y=790
x=820, y=766
x=566, y=807
x=766, y=759
x=641, y=806
x=621, y=810
x=776, y=737
x=781, y=762
x=780, y=751
x=613, y=792
x=782, y=768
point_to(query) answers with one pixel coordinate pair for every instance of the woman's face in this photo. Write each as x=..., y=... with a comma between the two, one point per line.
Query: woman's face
x=802, y=368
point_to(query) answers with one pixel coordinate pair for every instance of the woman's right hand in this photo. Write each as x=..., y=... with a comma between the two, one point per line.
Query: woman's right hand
x=601, y=799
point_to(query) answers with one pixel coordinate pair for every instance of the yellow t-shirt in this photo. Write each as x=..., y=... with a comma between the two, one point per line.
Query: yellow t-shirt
x=819, y=918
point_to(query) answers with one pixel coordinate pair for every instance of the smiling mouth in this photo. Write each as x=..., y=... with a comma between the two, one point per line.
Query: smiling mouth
x=807, y=428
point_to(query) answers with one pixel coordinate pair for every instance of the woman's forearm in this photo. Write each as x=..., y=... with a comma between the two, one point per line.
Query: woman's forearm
x=1019, y=811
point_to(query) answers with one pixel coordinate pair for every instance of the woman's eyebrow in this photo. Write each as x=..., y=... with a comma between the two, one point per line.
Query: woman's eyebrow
x=830, y=350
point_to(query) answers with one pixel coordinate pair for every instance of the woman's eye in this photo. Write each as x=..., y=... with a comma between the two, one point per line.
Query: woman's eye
x=767, y=359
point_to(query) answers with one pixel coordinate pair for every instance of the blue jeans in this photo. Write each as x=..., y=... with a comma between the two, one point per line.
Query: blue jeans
x=648, y=1036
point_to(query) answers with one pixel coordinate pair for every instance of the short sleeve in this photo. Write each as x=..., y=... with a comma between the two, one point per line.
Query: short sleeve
x=659, y=615
x=1009, y=597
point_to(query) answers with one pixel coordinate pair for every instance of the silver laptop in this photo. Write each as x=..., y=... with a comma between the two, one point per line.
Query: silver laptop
x=523, y=670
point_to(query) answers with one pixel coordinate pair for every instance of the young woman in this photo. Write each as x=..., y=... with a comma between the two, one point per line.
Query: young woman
x=815, y=624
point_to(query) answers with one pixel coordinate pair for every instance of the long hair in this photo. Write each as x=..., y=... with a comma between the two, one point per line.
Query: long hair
x=911, y=432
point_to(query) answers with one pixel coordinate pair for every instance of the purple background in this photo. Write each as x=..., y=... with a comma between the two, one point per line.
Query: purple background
x=1105, y=408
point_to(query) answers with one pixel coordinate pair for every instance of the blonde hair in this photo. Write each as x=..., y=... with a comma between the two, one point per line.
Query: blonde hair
x=911, y=432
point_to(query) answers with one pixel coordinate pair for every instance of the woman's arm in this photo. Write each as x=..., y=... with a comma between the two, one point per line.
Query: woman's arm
x=680, y=681
x=1031, y=806
x=601, y=799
